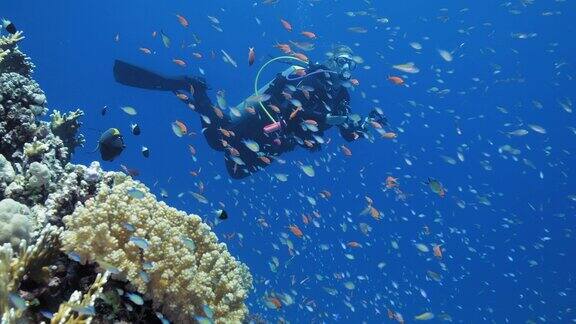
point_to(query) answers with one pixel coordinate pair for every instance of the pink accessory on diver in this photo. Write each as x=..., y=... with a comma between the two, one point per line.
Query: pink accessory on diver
x=272, y=127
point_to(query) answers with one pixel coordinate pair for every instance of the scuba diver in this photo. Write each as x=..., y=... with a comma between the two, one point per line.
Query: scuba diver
x=294, y=109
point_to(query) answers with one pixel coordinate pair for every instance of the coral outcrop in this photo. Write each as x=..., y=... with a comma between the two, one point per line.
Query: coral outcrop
x=11, y=59
x=159, y=250
x=80, y=244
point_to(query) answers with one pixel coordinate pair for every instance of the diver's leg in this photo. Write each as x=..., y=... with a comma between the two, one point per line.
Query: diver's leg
x=135, y=76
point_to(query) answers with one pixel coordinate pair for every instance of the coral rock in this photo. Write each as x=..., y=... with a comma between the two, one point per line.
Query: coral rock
x=15, y=224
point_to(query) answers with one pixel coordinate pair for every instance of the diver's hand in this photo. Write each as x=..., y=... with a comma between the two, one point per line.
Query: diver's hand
x=378, y=117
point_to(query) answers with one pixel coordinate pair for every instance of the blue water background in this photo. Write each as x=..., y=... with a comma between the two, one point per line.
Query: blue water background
x=486, y=275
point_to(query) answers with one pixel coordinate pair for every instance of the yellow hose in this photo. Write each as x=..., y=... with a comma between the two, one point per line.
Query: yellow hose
x=258, y=76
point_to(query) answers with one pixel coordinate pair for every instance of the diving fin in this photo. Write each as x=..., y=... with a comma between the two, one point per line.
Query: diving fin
x=134, y=76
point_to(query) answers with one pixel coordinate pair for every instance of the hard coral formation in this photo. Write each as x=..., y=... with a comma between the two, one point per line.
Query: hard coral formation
x=66, y=127
x=15, y=220
x=7, y=173
x=172, y=258
x=11, y=59
x=184, y=265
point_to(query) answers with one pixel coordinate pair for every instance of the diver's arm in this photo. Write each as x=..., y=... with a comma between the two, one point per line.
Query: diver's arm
x=351, y=126
x=352, y=131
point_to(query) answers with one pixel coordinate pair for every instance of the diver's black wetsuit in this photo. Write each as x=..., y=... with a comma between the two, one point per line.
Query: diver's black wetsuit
x=326, y=96
x=320, y=94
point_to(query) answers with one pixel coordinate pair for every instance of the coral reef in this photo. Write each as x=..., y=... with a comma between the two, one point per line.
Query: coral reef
x=82, y=244
x=159, y=250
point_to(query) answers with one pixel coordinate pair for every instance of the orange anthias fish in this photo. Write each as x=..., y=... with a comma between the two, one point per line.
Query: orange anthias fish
x=251, y=110
x=437, y=251
x=264, y=159
x=218, y=112
x=192, y=149
x=300, y=72
x=308, y=34
x=145, y=50
x=295, y=112
x=274, y=108
x=275, y=301
x=251, y=56
x=354, y=82
x=183, y=21
x=286, y=25
x=396, y=80
x=182, y=96
x=285, y=48
x=389, y=135
x=179, y=62
x=346, y=150
x=354, y=244
x=296, y=231
x=225, y=132
x=325, y=194
x=375, y=124
x=391, y=182
x=311, y=122
x=179, y=128
x=300, y=56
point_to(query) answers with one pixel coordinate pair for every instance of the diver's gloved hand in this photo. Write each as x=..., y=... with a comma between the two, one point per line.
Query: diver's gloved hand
x=378, y=117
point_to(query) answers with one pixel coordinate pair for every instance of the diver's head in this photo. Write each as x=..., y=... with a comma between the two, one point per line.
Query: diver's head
x=341, y=61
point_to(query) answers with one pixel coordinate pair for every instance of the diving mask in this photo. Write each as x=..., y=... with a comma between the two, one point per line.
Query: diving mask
x=344, y=66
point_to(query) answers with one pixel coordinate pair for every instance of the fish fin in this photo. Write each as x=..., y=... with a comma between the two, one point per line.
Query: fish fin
x=365, y=211
x=96, y=149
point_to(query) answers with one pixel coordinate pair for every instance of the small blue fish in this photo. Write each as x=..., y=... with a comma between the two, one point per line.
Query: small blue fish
x=135, y=298
x=203, y=320
x=144, y=276
x=17, y=301
x=129, y=227
x=74, y=256
x=135, y=193
x=140, y=242
x=162, y=319
x=108, y=267
x=148, y=265
x=47, y=314
x=208, y=311
x=188, y=243
x=84, y=310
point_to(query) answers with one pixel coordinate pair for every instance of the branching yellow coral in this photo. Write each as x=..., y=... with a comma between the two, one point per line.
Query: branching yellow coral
x=14, y=267
x=171, y=257
x=11, y=39
x=3, y=54
x=6, y=42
